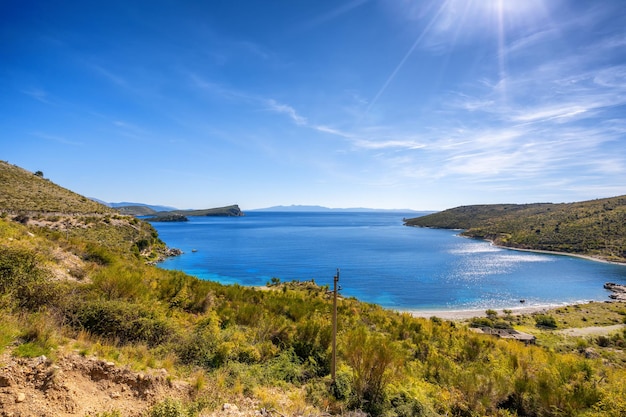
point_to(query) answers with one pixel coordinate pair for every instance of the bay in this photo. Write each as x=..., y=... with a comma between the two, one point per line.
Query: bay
x=381, y=261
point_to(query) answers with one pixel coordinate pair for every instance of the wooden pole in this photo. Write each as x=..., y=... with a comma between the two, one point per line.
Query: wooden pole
x=333, y=365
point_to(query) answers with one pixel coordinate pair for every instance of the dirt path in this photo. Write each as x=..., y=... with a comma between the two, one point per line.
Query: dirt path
x=591, y=331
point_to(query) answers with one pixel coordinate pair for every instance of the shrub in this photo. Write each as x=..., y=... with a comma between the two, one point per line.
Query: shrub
x=481, y=322
x=21, y=218
x=404, y=405
x=285, y=367
x=545, y=320
x=373, y=360
x=312, y=342
x=118, y=320
x=22, y=282
x=169, y=408
x=99, y=255
x=39, y=336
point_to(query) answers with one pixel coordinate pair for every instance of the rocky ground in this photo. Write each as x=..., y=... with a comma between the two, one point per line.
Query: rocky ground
x=619, y=291
x=74, y=385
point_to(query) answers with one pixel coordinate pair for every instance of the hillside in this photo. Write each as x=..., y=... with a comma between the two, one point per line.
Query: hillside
x=595, y=228
x=116, y=337
x=23, y=191
x=136, y=210
x=58, y=212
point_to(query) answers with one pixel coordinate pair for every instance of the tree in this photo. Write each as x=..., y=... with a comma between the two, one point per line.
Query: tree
x=39, y=174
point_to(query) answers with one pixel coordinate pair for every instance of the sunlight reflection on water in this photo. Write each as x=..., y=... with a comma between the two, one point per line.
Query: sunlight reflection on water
x=381, y=261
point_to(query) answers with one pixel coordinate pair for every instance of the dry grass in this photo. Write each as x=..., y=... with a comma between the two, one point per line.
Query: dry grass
x=31, y=193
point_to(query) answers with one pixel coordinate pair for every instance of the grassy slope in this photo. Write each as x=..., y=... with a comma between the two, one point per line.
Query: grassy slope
x=59, y=212
x=594, y=228
x=23, y=191
x=273, y=346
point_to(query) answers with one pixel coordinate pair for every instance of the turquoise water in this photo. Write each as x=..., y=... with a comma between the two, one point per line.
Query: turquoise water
x=381, y=261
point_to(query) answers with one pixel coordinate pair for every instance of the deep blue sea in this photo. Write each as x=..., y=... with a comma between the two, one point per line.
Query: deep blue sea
x=381, y=261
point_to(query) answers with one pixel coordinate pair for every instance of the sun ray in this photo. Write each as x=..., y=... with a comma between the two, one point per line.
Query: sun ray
x=501, y=51
x=419, y=39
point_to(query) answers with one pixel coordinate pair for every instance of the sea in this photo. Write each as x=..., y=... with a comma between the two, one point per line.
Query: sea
x=380, y=260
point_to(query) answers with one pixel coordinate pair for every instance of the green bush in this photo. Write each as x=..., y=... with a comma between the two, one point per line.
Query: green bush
x=481, y=322
x=373, y=359
x=170, y=408
x=401, y=404
x=99, y=255
x=545, y=320
x=119, y=321
x=286, y=367
x=22, y=282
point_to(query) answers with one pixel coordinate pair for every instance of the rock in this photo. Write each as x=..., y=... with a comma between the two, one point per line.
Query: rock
x=20, y=397
x=40, y=360
x=619, y=291
x=590, y=353
x=115, y=395
x=230, y=407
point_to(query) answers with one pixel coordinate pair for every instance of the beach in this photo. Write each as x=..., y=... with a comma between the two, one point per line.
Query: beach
x=468, y=314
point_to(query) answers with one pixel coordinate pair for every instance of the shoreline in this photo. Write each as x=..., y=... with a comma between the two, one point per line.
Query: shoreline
x=549, y=252
x=469, y=314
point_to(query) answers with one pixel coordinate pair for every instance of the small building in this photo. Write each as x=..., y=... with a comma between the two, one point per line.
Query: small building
x=526, y=338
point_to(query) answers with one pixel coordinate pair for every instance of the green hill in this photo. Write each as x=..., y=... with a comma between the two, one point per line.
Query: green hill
x=174, y=345
x=37, y=202
x=24, y=191
x=227, y=211
x=595, y=228
x=136, y=210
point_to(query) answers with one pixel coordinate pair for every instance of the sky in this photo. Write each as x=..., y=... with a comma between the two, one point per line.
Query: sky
x=420, y=104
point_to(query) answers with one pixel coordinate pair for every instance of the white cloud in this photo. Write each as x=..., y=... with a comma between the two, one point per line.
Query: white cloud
x=277, y=107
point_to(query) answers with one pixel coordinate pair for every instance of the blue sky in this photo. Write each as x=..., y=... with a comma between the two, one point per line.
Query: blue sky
x=422, y=104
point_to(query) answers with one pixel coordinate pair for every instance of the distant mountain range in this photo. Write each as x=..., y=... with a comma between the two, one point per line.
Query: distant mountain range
x=292, y=208
x=301, y=208
x=128, y=204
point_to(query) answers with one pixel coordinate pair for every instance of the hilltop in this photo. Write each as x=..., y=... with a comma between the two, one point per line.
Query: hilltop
x=34, y=201
x=595, y=228
x=88, y=327
x=23, y=191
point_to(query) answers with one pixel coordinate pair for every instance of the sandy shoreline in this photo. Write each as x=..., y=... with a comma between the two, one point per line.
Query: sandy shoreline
x=468, y=314
x=549, y=252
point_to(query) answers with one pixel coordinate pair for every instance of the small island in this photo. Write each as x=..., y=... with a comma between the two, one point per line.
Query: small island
x=180, y=215
x=167, y=217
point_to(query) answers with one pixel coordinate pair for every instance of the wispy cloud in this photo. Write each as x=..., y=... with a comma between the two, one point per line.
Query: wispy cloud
x=108, y=74
x=38, y=94
x=277, y=107
x=55, y=138
x=332, y=14
x=129, y=129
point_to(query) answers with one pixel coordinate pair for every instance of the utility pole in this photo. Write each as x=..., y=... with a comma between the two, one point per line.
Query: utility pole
x=333, y=365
